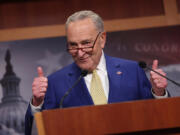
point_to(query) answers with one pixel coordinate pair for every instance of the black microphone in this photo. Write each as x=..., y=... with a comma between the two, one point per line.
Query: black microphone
x=142, y=64
x=83, y=73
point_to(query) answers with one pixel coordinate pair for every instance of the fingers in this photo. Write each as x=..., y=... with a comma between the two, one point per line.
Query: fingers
x=40, y=72
x=40, y=80
x=40, y=83
x=155, y=75
x=158, y=82
x=155, y=64
x=39, y=87
x=156, y=78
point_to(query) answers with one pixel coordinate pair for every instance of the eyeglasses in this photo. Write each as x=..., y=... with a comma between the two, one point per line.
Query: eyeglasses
x=87, y=46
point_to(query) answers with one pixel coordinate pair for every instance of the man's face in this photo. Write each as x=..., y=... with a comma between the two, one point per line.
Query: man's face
x=82, y=34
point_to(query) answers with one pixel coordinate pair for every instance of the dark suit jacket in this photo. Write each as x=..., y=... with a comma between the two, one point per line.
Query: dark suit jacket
x=131, y=84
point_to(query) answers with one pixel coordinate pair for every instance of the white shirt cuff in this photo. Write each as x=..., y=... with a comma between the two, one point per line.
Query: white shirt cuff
x=35, y=109
x=159, y=97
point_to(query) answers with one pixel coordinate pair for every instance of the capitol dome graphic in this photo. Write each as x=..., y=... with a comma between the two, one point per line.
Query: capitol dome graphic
x=12, y=106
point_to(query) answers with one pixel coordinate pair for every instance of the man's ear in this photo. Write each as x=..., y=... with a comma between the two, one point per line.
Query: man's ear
x=103, y=39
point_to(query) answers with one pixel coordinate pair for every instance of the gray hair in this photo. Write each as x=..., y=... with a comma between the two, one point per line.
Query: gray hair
x=80, y=15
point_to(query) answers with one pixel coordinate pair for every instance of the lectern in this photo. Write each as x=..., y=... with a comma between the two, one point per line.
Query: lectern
x=143, y=117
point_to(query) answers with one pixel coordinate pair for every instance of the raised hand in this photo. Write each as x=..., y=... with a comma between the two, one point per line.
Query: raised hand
x=39, y=87
x=158, y=82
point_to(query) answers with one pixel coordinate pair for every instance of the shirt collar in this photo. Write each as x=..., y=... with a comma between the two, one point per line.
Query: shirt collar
x=102, y=63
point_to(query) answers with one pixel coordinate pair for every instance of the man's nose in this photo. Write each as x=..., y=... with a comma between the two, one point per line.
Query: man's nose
x=80, y=52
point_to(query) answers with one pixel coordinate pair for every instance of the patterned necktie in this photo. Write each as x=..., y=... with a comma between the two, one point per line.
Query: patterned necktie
x=97, y=92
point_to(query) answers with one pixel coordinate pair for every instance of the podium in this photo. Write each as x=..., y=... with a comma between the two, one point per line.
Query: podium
x=142, y=117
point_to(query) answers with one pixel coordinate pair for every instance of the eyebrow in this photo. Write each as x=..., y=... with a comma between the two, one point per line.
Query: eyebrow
x=84, y=41
x=72, y=43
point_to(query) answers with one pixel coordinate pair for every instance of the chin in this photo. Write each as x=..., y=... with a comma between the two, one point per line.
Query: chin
x=85, y=67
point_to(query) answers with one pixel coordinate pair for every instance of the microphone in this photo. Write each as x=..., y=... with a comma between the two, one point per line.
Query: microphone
x=143, y=65
x=83, y=73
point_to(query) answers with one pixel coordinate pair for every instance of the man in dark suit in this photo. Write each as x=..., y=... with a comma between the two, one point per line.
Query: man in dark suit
x=118, y=79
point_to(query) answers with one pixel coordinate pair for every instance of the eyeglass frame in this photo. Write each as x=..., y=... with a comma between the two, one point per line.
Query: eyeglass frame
x=78, y=48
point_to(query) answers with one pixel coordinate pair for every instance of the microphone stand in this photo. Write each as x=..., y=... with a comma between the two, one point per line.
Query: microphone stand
x=83, y=73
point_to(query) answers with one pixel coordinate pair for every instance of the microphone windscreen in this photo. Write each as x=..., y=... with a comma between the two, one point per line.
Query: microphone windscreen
x=84, y=72
x=142, y=64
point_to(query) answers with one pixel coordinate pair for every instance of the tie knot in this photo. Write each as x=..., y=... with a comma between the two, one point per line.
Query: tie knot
x=94, y=71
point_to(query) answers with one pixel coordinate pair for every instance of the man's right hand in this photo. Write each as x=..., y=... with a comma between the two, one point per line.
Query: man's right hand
x=39, y=87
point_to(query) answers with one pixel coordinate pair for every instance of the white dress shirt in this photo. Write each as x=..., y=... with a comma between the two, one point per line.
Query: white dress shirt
x=102, y=72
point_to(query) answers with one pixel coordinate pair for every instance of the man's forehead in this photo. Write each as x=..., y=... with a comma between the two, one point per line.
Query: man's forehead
x=81, y=30
x=80, y=37
x=81, y=24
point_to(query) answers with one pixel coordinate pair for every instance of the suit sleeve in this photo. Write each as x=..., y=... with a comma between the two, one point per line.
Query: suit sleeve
x=28, y=121
x=144, y=84
x=49, y=103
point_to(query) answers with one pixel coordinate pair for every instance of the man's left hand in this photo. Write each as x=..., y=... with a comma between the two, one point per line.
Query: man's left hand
x=158, y=82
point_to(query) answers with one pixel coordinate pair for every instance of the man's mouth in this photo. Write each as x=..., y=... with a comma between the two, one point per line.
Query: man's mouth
x=83, y=59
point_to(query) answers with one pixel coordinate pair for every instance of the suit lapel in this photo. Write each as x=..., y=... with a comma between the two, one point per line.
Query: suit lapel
x=80, y=92
x=115, y=76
